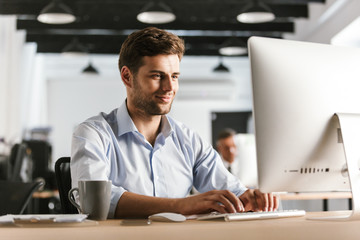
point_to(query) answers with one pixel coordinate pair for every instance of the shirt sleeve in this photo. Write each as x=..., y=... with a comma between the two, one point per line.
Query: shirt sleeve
x=90, y=162
x=209, y=171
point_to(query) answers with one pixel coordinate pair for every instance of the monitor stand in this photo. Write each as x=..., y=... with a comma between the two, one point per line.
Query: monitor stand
x=350, y=133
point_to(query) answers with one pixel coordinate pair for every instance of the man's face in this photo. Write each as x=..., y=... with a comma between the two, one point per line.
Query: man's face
x=155, y=84
x=227, y=149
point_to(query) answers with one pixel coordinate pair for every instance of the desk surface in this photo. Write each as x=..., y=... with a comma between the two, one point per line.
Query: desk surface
x=285, y=228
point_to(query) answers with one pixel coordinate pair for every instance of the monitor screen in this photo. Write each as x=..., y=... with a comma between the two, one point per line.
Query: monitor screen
x=297, y=89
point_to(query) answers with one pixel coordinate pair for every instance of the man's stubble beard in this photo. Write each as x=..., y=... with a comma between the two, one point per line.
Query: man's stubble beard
x=149, y=106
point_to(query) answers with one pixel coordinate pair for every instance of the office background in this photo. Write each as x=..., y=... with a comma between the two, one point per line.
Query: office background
x=49, y=90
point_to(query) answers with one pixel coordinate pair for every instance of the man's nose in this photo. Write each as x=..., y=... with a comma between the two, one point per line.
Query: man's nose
x=233, y=150
x=167, y=83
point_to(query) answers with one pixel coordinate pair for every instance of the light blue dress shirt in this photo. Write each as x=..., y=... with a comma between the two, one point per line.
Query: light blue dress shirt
x=109, y=147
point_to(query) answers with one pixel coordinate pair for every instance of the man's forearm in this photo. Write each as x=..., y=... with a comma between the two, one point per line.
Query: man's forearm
x=132, y=205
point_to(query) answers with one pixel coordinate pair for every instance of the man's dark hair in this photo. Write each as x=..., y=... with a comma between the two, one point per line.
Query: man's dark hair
x=150, y=41
x=225, y=133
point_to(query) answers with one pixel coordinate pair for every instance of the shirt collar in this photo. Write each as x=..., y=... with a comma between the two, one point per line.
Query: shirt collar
x=126, y=124
x=166, y=128
x=226, y=163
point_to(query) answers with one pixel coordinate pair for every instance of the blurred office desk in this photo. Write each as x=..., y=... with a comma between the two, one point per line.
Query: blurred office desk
x=325, y=196
x=316, y=195
x=285, y=228
x=46, y=194
x=44, y=202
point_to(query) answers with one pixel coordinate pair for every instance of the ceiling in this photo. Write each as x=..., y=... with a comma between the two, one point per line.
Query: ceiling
x=102, y=25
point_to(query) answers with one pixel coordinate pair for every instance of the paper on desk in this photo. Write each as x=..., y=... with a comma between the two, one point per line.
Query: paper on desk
x=33, y=218
x=5, y=219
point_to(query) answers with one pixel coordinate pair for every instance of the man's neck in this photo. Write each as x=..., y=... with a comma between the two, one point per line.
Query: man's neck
x=148, y=125
x=229, y=162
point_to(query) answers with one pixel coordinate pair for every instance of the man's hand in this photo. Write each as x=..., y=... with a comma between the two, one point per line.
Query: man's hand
x=254, y=200
x=222, y=201
x=225, y=201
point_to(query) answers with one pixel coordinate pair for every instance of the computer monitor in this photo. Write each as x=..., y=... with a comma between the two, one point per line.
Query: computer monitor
x=297, y=89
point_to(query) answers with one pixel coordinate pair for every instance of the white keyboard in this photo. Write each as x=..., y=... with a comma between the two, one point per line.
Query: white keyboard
x=252, y=215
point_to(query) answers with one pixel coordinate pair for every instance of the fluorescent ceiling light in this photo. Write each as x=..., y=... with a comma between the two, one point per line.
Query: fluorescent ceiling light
x=156, y=13
x=56, y=13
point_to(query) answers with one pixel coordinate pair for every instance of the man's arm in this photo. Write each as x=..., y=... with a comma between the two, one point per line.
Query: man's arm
x=133, y=205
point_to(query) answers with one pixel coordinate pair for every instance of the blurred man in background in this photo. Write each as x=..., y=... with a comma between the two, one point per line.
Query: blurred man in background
x=226, y=147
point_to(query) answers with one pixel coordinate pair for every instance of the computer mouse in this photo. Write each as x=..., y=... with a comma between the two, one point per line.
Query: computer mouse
x=167, y=217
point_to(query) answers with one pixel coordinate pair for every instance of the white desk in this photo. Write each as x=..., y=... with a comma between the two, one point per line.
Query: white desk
x=286, y=228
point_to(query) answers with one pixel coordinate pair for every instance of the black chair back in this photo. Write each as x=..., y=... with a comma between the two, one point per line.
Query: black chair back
x=41, y=156
x=63, y=180
x=17, y=157
x=5, y=168
x=15, y=196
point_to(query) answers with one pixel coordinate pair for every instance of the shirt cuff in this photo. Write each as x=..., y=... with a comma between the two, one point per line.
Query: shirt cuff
x=116, y=193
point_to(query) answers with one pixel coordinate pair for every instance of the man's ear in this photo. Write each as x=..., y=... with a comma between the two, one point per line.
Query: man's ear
x=126, y=76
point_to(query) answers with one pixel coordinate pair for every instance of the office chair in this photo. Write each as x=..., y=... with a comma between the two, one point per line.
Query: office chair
x=15, y=196
x=17, y=160
x=63, y=180
x=4, y=167
x=41, y=155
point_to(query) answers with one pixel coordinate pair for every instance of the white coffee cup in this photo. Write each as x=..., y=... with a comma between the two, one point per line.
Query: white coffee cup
x=94, y=198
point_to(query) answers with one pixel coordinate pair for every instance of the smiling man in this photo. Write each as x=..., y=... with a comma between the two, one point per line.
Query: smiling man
x=152, y=160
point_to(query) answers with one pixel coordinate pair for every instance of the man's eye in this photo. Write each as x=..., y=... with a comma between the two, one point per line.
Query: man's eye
x=157, y=76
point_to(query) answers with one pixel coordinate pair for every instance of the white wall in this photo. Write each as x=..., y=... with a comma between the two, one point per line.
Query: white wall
x=325, y=20
x=73, y=97
x=73, y=100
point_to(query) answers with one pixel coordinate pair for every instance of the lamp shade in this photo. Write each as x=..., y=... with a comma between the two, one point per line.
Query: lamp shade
x=56, y=12
x=156, y=13
x=256, y=12
x=75, y=47
x=221, y=68
x=90, y=69
x=233, y=47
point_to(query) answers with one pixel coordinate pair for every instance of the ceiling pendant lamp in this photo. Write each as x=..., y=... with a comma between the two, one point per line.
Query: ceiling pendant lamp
x=90, y=69
x=233, y=47
x=221, y=68
x=156, y=13
x=256, y=12
x=74, y=48
x=56, y=12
